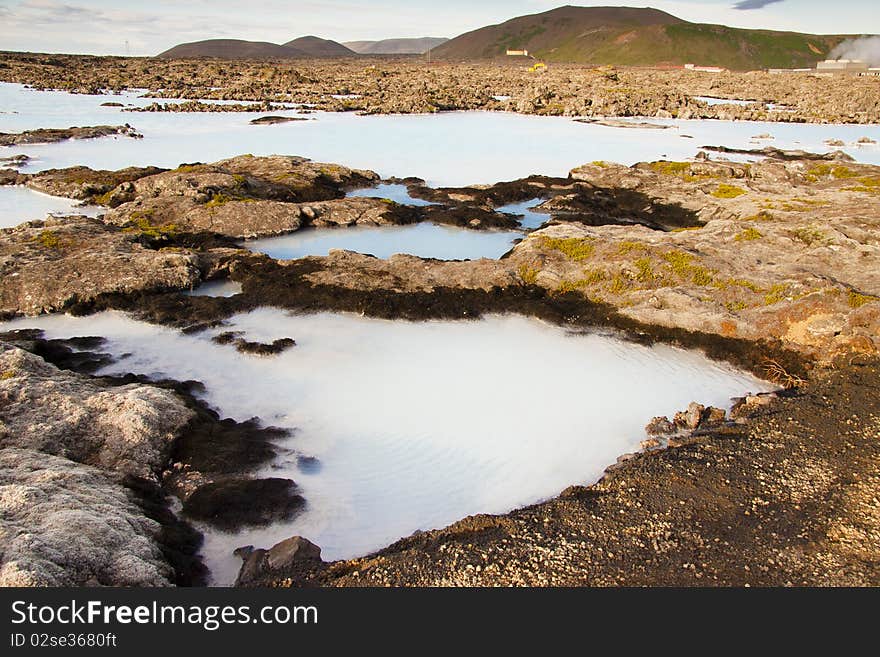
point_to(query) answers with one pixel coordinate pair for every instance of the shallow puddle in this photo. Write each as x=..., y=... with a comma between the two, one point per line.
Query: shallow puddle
x=529, y=219
x=20, y=204
x=393, y=192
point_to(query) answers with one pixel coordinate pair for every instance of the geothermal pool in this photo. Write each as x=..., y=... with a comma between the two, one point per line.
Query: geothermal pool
x=20, y=204
x=447, y=149
x=417, y=425
x=425, y=240
x=530, y=219
x=393, y=192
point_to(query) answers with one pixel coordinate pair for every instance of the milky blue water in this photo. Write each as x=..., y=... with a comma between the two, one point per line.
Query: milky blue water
x=425, y=240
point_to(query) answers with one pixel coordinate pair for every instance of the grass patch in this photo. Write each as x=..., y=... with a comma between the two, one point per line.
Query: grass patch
x=728, y=191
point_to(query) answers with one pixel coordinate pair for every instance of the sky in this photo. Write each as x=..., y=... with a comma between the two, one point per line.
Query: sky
x=119, y=27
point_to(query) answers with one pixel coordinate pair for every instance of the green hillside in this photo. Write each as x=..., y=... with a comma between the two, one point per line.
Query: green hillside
x=638, y=37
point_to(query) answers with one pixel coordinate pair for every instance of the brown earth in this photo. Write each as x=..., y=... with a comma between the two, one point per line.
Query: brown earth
x=409, y=85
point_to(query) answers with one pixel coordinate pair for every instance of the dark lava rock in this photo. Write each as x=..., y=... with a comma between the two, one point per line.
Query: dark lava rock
x=51, y=135
x=234, y=503
x=76, y=354
x=284, y=560
x=272, y=120
x=257, y=348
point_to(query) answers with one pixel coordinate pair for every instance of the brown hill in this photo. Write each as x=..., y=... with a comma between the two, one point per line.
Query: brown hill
x=314, y=46
x=231, y=49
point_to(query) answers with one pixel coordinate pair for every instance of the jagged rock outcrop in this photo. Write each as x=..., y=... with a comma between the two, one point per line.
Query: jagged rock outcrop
x=125, y=430
x=47, y=265
x=51, y=135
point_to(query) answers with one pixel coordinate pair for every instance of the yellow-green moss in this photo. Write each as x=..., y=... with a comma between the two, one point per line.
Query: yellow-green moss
x=777, y=293
x=572, y=247
x=6, y=375
x=644, y=270
x=143, y=227
x=671, y=168
x=748, y=235
x=528, y=274
x=591, y=278
x=857, y=300
x=49, y=239
x=739, y=282
x=189, y=168
x=728, y=191
x=762, y=215
x=627, y=246
x=619, y=284
x=809, y=236
x=682, y=265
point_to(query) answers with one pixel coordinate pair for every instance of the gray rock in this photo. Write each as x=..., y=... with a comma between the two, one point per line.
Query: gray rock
x=67, y=524
x=127, y=430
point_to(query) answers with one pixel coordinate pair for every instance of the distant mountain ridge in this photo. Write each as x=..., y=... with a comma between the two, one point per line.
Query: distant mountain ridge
x=637, y=37
x=412, y=46
x=300, y=48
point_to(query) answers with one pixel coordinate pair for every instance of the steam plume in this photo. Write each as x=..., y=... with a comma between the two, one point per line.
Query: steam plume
x=867, y=49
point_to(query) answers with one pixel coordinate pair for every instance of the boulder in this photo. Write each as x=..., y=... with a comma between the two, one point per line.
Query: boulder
x=282, y=560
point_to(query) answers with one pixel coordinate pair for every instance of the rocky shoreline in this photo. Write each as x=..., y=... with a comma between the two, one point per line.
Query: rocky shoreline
x=765, y=265
x=412, y=86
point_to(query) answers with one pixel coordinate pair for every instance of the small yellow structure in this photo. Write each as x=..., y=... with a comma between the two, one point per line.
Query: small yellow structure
x=540, y=66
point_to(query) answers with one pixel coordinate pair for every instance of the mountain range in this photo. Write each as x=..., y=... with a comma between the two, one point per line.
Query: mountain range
x=417, y=46
x=303, y=47
x=625, y=36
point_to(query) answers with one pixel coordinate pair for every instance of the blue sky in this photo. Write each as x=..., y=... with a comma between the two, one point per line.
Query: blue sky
x=146, y=28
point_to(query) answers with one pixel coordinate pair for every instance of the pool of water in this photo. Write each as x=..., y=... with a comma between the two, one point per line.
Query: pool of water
x=529, y=219
x=425, y=240
x=416, y=425
x=393, y=192
x=446, y=149
x=20, y=204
